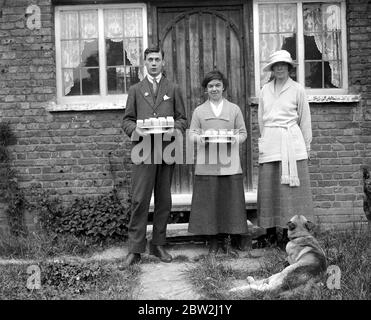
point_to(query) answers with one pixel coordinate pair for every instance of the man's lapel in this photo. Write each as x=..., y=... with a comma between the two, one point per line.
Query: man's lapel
x=146, y=92
x=162, y=90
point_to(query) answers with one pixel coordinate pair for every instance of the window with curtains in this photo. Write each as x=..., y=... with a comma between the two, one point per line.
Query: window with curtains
x=315, y=35
x=99, y=51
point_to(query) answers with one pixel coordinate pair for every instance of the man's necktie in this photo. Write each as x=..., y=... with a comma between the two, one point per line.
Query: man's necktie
x=155, y=86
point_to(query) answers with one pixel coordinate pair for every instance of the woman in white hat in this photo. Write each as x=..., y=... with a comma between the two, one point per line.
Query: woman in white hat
x=284, y=146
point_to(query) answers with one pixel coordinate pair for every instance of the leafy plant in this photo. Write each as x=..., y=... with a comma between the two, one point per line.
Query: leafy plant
x=70, y=280
x=101, y=218
x=73, y=277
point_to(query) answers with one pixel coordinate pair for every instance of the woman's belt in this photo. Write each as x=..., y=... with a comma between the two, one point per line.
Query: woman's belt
x=289, y=173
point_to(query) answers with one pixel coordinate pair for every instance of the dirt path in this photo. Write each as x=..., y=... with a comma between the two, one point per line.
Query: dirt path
x=165, y=281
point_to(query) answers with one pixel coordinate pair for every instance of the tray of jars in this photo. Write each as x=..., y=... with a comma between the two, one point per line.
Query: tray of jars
x=156, y=125
x=219, y=136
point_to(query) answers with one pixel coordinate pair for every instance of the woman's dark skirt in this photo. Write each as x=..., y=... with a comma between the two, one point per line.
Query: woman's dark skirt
x=218, y=205
x=278, y=203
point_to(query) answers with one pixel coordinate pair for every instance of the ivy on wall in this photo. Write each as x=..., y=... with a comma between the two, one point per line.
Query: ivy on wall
x=11, y=194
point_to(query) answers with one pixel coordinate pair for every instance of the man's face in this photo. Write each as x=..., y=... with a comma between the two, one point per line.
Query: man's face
x=154, y=63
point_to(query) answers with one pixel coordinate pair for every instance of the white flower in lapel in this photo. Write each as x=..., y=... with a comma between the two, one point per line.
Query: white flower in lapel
x=166, y=97
x=146, y=94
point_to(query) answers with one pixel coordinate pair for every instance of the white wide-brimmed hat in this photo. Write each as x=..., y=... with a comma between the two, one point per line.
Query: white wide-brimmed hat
x=279, y=56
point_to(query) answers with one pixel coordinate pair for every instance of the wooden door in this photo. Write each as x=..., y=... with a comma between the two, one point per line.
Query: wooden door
x=196, y=41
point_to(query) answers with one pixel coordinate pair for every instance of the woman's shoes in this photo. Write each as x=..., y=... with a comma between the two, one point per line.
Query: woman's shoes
x=213, y=247
x=228, y=249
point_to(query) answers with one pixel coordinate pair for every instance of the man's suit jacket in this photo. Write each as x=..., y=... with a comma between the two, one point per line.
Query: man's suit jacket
x=141, y=104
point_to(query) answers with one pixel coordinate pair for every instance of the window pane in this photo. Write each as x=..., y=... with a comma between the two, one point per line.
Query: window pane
x=332, y=74
x=116, y=80
x=71, y=82
x=277, y=28
x=133, y=76
x=90, y=81
x=124, y=47
x=270, y=43
x=133, y=23
x=89, y=24
x=114, y=51
x=73, y=88
x=322, y=42
x=113, y=24
x=70, y=54
x=89, y=55
x=287, y=18
x=119, y=79
x=69, y=25
x=134, y=49
x=313, y=74
x=289, y=44
x=122, y=29
x=267, y=18
x=312, y=18
x=311, y=45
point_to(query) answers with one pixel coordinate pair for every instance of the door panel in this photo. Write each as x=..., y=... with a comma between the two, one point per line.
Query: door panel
x=196, y=41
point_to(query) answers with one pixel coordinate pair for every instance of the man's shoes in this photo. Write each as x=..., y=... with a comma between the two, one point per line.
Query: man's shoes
x=131, y=259
x=159, y=252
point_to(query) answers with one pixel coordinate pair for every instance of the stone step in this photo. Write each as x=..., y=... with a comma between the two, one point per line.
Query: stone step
x=180, y=230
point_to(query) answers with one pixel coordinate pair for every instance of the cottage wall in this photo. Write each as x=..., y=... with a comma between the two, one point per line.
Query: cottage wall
x=85, y=153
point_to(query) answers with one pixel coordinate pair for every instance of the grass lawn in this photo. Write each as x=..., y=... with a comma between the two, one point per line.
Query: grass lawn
x=60, y=279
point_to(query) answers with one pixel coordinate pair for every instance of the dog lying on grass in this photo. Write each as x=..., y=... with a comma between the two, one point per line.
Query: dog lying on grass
x=305, y=256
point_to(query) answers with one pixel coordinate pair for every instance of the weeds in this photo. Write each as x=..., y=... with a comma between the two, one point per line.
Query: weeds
x=210, y=278
x=40, y=246
x=65, y=281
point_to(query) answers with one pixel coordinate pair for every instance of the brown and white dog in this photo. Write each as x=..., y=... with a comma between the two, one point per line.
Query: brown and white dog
x=305, y=256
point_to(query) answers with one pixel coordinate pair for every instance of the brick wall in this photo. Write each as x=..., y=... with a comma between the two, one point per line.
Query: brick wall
x=73, y=152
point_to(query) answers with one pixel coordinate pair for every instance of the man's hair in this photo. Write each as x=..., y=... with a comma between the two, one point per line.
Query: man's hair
x=153, y=49
x=215, y=75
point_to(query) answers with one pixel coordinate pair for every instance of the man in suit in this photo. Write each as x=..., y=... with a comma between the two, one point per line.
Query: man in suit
x=153, y=97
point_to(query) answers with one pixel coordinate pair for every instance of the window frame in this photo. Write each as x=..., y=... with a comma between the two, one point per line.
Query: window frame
x=300, y=46
x=103, y=100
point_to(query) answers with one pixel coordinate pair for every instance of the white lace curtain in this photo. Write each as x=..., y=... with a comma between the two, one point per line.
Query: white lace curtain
x=323, y=23
x=81, y=33
x=277, y=24
x=79, y=28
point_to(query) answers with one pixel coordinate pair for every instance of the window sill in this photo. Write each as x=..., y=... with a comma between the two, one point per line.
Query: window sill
x=323, y=98
x=54, y=107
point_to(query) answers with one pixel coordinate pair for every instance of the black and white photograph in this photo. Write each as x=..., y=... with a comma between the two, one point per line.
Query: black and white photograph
x=185, y=158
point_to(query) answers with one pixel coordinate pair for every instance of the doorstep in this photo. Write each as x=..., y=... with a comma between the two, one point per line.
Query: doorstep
x=180, y=230
x=182, y=201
